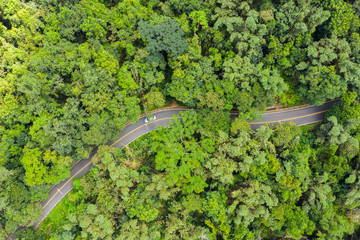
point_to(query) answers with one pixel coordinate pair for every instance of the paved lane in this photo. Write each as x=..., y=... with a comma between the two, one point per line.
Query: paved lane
x=300, y=116
x=129, y=134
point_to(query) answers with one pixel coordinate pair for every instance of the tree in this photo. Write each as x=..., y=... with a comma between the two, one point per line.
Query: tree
x=29, y=233
x=285, y=134
x=135, y=229
x=199, y=20
x=262, y=84
x=154, y=100
x=239, y=125
x=211, y=122
x=44, y=167
x=141, y=206
x=294, y=18
x=342, y=18
x=252, y=200
x=321, y=83
x=332, y=133
x=194, y=81
x=216, y=210
x=183, y=166
x=349, y=108
x=242, y=27
x=163, y=36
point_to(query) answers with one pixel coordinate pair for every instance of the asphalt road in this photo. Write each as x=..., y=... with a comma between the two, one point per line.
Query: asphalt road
x=300, y=116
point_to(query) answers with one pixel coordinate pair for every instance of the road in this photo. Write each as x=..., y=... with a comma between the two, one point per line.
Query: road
x=300, y=116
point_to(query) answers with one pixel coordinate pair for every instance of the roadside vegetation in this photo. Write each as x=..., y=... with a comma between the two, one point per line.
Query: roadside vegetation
x=73, y=72
x=200, y=179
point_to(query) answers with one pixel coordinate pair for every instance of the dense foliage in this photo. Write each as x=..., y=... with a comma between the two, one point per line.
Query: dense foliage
x=73, y=72
x=193, y=181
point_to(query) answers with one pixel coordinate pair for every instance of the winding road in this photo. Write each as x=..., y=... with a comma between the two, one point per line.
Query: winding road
x=300, y=116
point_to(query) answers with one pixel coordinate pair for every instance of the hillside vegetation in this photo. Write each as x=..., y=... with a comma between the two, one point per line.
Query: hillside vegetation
x=74, y=72
x=206, y=179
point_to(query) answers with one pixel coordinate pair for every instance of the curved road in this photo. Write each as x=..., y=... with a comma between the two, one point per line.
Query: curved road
x=300, y=116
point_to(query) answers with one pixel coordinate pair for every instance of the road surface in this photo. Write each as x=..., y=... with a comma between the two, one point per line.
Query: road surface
x=300, y=116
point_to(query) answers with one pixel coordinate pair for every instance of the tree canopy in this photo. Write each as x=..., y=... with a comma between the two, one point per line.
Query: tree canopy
x=73, y=73
x=191, y=181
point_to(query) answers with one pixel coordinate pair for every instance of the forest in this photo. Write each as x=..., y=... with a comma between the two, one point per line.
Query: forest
x=74, y=72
